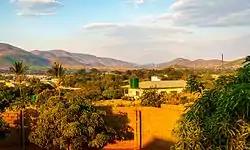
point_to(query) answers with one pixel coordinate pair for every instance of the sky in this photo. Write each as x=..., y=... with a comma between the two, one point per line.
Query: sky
x=139, y=31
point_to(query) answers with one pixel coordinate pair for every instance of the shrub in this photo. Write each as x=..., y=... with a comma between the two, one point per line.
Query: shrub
x=180, y=98
x=71, y=122
x=220, y=118
x=4, y=128
x=151, y=98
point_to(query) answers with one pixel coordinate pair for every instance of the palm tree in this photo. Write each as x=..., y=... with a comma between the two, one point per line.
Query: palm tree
x=247, y=61
x=19, y=69
x=58, y=72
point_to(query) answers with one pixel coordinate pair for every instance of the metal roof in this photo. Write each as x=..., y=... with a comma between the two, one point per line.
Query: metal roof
x=161, y=84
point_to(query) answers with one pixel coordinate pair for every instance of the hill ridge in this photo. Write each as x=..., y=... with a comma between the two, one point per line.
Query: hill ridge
x=38, y=58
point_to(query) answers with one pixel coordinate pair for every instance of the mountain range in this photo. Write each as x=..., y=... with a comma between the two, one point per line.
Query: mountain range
x=37, y=58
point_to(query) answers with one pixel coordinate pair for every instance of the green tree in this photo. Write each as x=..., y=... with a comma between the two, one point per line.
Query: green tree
x=4, y=128
x=247, y=61
x=220, y=118
x=71, y=123
x=6, y=94
x=194, y=85
x=58, y=72
x=19, y=69
x=81, y=71
x=151, y=98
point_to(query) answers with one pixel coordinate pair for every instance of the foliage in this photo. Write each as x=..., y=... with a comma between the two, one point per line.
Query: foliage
x=247, y=61
x=57, y=70
x=179, y=98
x=103, y=87
x=71, y=122
x=5, y=99
x=151, y=98
x=128, y=98
x=7, y=94
x=194, y=85
x=18, y=68
x=220, y=118
x=4, y=128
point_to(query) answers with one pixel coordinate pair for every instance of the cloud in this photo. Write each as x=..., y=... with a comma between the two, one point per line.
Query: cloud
x=99, y=25
x=208, y=13
x=122, y=40
x=139, y=1
x=36, y=7
x=132, y=32
x=136, y=2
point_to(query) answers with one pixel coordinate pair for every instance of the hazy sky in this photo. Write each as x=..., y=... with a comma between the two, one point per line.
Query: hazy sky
x=141, y=31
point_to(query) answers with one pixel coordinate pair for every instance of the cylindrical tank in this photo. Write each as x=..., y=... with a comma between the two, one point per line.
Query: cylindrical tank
x=134, y=83
x=33, y=97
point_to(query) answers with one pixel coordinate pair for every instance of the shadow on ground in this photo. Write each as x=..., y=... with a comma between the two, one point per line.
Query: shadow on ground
x=158, y=144
x=118, y=121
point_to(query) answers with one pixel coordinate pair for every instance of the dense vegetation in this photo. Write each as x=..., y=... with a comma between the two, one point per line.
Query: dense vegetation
x=68, y=119
x=74, y=122
x=71, y=122
x=220, y=118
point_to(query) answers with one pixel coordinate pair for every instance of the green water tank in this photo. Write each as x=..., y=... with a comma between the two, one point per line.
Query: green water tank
x=33, y=97
x=134, y=83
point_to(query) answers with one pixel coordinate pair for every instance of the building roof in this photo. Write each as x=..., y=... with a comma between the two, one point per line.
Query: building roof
x=161, y=84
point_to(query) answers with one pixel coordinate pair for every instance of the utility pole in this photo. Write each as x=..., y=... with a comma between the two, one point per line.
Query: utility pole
x=222, y=61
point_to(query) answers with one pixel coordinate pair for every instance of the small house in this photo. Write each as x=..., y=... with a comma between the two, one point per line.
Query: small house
x=135, y=89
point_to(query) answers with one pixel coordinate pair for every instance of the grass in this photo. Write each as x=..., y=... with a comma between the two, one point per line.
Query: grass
x=118, y=103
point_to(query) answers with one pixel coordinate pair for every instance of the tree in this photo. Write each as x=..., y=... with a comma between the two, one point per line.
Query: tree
x=19, y=69
x=220, y=118
x=94, y=71
x=194, y=85
x=58, y=72
x=247, y=61
x=151, y=98
x=71, y=123
x=6, y=94
x=81, y=71
x=4, y=128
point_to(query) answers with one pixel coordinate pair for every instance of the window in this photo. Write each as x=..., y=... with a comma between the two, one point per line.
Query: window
x=126, y=91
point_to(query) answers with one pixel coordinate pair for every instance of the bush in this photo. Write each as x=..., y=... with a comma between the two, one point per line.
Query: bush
x=71, y=122
x=151, y=98
x=128, y=98
x=4, y=128
x=220, y=118
x=180, y=98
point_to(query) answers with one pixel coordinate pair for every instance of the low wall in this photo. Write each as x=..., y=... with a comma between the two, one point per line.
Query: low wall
x=156, y=126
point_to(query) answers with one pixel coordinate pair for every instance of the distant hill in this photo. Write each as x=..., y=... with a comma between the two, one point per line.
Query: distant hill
x=175, y=62
x=200, y=63
x=235, y=63
x=10, y=54
x=77, y=59
x=37, y=58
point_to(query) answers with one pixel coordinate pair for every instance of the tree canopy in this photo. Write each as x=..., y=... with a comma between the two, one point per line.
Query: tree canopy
x=72, y=123
x=220, y=118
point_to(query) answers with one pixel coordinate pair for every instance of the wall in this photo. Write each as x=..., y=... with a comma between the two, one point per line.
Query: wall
x=156, y=127
x=132, y=92
x=155, y=132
